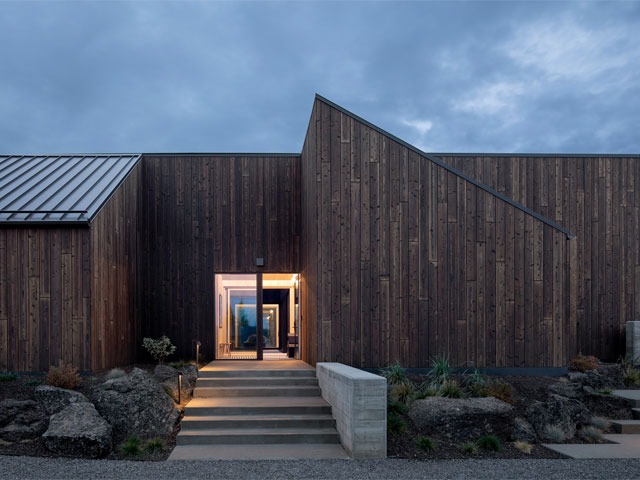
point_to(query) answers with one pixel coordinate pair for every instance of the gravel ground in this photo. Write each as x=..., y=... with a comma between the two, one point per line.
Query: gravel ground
x=31, y=467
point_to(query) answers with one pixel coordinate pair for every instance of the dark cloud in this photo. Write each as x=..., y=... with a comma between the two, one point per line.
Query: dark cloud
x=210, y=76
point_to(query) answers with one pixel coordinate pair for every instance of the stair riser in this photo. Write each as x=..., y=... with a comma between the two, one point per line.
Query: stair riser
x=636, y=413
x=627, y=429
x=240, y=439
x=194, y=424
x=257, y=382
x=255, y=373
x=256, y=392
x=301, y=410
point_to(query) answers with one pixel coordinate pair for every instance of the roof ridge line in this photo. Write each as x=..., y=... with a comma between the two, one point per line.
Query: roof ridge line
x=449, y=168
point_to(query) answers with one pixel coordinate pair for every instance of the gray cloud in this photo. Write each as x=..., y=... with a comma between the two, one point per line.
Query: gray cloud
x=209, y=76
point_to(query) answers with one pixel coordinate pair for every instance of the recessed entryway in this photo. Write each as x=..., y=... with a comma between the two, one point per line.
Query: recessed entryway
x=239, y=335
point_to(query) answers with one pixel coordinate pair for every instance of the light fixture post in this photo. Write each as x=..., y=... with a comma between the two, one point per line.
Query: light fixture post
x=179, y=388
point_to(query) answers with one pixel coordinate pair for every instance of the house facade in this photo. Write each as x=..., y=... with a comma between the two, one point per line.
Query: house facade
x=361, y=249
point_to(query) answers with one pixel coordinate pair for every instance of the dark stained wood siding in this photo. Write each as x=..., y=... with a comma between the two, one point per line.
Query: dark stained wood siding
x=202, y=215
x=598, y=200
x=439, y=266
x=44, y=298
x=115, y=333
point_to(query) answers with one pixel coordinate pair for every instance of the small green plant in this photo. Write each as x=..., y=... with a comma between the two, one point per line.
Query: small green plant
x=469, y=448
x=631, y=377
x=476, y=384
x=63, y=376
x=396, y=408
x=155, y=445
x=440, y=369
x=489, y=442
x=8, y=377
x=115, y=373
x=159, y=348
x=31, y=383
x=591, y=433
x=396, y=424
x=451, y=389
x=524, y=447
x=426, y=390
x=427, y=444
x=582, y=363
x=600, y=422
x=395, y=374
x=605, y=391
x=402, y=392
x=554, y=434
x=131, y=447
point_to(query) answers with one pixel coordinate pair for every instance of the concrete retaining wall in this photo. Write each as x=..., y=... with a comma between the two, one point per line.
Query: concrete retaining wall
x=359, y=404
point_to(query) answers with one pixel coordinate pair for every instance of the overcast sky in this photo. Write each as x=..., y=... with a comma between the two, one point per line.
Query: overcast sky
x=236, y=77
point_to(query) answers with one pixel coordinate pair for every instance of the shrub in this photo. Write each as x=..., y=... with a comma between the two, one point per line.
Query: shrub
x=131, y=447
x=591, y=433
x=489, y=442
x=554, y=434
x=115, y=373
x=8, y=377
x=582, y=363
x=501, y=390
x=31, y=383
x=155, y=445
x=451, y=389
x=631, y=377
x=63, y=376
x=605, y=391
x=427, y=444
x=402, y=392
x=178, y=365
x=396, y=408
x=476, y=384
x=600, y=422
x=469, y=448
x=159, y=348
x=425, y=391
x=396, y=424
x=395, y=374
x=440, y=369
x=523, y=447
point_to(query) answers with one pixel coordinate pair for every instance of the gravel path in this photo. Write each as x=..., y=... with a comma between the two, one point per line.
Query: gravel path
x=33, y=467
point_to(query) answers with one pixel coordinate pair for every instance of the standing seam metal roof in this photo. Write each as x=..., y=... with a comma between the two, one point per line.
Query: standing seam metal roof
x=59, y=188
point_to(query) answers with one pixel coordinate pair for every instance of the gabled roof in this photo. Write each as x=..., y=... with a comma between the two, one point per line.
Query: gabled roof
x=59, y=188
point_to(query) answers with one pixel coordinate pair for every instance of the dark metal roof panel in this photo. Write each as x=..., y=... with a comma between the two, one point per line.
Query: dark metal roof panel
x=59, y=188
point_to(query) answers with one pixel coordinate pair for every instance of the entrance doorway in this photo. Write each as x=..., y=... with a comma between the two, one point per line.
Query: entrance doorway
x=243, y=334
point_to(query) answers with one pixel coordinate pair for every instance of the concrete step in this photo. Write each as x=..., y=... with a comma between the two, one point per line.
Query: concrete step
x=636, y=413
x=284, y=451
x=279, y=391
x=257, y=406
x=257, y=381
x=301, y=372
x=257, y=436
x=626, y=426
x=211, y=422
x=632, y=395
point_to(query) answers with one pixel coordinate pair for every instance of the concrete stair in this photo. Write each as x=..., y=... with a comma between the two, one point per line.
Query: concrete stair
x=636, y=413
x=626, y=426
x=257, y=413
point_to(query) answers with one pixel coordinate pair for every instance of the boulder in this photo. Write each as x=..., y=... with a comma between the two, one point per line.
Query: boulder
x=460, y=418
x=21, y=420
x=608, y=406
x=164, y=372
x=567, y=389
x=565, y=413
x=523, y=431
x=607, y=375
x=135, y=405
x=78, y=430
x=170, y=386
x=191, y=373
x=54, y=399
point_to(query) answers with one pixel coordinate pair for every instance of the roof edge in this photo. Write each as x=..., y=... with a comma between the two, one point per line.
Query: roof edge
x=452, y=170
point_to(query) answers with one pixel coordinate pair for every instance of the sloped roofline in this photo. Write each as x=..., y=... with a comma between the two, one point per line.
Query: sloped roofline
x=450, y=169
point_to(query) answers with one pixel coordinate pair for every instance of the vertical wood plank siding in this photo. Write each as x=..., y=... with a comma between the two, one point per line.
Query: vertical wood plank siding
x=202, y=215
x=44, y=292
x=439, y=266
x=115, y=334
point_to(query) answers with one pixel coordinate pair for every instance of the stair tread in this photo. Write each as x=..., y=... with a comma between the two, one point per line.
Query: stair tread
x=212, y=418
x=258, y=431
x=253, y=387
x=226, y=379
x=626, y=422
x=248, y=402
